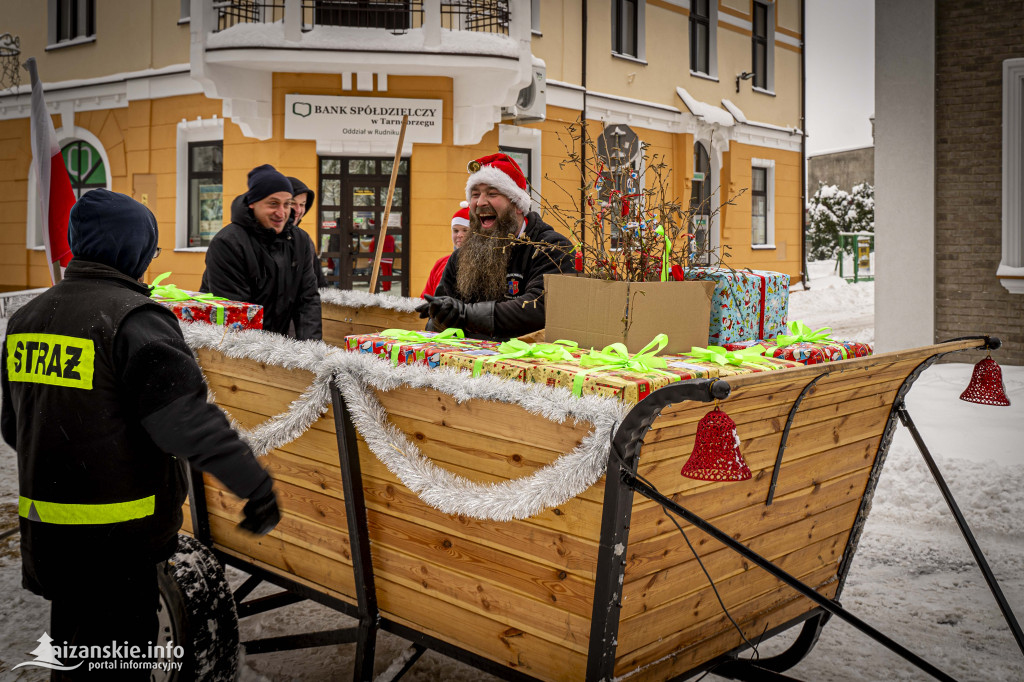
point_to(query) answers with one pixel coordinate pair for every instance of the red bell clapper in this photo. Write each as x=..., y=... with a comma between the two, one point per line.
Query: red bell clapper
x=986, y=387
x=716, y=451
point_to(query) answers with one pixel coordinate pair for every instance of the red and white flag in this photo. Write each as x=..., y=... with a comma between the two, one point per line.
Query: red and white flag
x=53, y=186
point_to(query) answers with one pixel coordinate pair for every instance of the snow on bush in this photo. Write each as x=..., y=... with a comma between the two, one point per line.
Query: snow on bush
x=831, y=211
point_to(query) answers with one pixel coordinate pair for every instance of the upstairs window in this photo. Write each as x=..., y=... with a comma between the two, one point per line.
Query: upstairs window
x=71, y=21
x=700, y=31
x=762, y=42
x=628, y=28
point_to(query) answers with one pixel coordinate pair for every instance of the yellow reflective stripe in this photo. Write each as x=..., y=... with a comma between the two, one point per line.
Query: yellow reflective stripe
x=51, y=359
x=74, y=514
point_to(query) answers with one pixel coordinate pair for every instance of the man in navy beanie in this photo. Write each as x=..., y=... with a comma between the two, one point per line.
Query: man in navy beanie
x=261, y=257
x=103, y=402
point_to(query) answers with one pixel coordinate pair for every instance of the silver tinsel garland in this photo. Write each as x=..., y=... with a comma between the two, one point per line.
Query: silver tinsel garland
x=357, y=373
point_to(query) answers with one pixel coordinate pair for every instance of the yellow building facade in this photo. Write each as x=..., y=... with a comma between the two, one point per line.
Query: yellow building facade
x=178, y=117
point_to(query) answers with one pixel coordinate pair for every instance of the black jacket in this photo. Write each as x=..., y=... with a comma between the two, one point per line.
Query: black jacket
x=247, y=262
x=102, y=402
x=522, y=310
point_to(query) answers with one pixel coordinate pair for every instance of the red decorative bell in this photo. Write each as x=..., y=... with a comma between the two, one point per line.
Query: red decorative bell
x=716, y=451
x=986, y=385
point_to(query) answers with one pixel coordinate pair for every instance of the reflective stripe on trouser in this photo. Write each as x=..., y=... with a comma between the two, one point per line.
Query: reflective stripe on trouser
x=74, y=514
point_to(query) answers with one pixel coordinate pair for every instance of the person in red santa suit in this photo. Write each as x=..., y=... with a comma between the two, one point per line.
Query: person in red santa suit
x=387, y=263
x=493, y=285
x=460, y=228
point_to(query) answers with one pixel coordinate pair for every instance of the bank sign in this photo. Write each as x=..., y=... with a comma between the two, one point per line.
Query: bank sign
x=362, y=119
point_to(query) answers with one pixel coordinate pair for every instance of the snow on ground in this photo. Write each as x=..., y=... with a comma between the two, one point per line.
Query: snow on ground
x=913, y=576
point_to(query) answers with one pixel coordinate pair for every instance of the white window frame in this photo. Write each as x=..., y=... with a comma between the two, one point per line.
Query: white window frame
x=186, y=12
x=712, y=73
x=1011, y=262
x=641, y=34
x=769, y=190
x=769, y=58
x=197, y=130
x=535, y=17
x=33, y=228
x=52, y=42
x=526, y=138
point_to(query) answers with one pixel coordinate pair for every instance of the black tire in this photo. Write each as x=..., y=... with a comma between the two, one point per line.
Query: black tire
x=197, y=612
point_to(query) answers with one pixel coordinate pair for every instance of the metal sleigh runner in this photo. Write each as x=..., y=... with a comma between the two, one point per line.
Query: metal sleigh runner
x=535, y=536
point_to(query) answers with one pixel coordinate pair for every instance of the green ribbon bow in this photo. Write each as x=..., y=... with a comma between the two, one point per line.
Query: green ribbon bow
x=665, y=255
x=800, y=332
x=515, y=348
x=172, y=293
x=451, y=336
x=720, y=356
x=616, y=357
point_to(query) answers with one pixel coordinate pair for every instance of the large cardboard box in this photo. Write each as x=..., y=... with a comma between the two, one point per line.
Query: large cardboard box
x=596, y=313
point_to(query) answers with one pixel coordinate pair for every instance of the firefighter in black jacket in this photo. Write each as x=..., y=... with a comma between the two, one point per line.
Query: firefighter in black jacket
x=261, y=257
x=103, y=402
x=493, y=285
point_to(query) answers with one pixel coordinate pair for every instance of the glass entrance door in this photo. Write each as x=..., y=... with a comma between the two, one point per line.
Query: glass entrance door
x=353, y=193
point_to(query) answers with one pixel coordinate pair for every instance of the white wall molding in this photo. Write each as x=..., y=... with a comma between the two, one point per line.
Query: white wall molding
x=198, y=130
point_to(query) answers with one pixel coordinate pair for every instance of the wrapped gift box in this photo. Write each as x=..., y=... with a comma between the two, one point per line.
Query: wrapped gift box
x=509, y=368
x=513, y=360
x=768, y=364
x=192, y=306
x=745, y=304
x=808, y=352
x=231, y=314
x=411, y=347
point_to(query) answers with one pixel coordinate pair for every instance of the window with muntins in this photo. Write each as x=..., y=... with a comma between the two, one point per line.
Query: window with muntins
x=71, y=20
x=625, y=23
x=700, y=30
x=205, y=191
x=759, y=206
x=760, y=46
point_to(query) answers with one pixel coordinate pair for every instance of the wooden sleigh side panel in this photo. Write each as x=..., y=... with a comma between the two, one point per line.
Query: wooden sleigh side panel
x=523, y=593
x=670, y=620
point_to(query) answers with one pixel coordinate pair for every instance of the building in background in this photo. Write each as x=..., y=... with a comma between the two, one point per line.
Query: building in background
x=844, y=169
x=173, y=103
x=949, y=208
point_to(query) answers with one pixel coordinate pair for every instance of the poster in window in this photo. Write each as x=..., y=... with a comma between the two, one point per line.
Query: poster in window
x=211, y=210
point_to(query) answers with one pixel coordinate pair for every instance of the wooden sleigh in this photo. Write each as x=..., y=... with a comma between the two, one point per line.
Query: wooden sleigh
x=603, y=586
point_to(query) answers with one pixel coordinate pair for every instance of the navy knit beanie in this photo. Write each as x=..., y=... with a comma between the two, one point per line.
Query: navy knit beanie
x=266, y=180
x=113, y=229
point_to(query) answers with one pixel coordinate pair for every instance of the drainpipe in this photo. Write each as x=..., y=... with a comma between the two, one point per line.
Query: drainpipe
x=583, y=125
x=804, y=279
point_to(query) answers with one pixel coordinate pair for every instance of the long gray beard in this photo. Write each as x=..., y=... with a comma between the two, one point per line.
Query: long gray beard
x=483, y=260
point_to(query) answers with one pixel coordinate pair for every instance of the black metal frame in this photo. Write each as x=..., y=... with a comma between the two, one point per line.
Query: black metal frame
x=618, y=500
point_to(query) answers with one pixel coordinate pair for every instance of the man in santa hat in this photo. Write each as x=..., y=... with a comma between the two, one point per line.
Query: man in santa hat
x=493, y=286
x=460, y=228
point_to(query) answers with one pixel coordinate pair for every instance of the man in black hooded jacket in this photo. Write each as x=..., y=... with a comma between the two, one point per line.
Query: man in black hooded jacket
x=103, y=402
x=303, y=197
x=260, y=257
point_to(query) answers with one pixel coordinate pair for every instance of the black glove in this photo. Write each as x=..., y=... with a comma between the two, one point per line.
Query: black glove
x=261, y=512
x=447, y=312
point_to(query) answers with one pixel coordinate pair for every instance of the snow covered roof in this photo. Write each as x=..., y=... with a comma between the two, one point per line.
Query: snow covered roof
x=702, y=110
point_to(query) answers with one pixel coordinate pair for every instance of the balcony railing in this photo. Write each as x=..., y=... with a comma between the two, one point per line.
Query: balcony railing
x=396, y=16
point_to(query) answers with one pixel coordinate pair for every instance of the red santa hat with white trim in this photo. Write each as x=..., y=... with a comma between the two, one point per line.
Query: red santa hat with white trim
x=461, y=216
x=502, y=172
